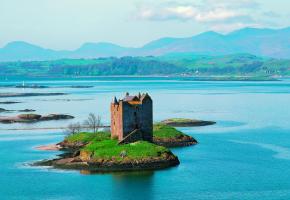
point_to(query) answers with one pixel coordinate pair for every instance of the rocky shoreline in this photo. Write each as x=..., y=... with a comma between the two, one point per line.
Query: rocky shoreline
x=175, y=142
x=81, y=162
x=76, y=159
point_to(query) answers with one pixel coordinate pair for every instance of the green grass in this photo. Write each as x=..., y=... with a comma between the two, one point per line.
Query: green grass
x=103, y=147
x=159, y=131
x=108, y=149
x=88, y=137
x=165, y=131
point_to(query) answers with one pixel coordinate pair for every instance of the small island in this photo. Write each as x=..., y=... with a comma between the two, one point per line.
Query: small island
x=134, y=143
x=182, y=122
x=24, y=110
x=97, y=152
x=5, y=95
x=9, y=102
x=31, y=118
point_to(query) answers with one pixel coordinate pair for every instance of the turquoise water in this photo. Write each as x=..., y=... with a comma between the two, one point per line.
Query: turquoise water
x=246, y=155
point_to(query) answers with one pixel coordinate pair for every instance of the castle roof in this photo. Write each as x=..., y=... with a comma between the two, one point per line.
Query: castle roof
x=131, y=98
x=146, y=95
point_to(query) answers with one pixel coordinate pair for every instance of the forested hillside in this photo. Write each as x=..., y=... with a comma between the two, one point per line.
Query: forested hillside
x=171, y=64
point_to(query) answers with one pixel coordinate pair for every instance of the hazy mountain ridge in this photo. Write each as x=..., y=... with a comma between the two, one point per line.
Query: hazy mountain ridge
x=260, y=42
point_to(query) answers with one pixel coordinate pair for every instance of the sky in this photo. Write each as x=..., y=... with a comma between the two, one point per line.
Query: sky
x=67, y=24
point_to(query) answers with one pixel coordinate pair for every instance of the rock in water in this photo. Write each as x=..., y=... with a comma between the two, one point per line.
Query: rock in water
x=56, y=117
x=29, y=116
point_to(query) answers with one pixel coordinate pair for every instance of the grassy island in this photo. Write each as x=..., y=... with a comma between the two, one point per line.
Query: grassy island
x=169, y=136
x=97, y=152
x=101, y=146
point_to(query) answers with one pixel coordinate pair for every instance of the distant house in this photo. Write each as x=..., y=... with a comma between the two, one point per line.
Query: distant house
x=132, y=118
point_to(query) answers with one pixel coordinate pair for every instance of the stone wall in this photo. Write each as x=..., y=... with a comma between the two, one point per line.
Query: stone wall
x=116, y=120
x=147, y=119
x=127, y=117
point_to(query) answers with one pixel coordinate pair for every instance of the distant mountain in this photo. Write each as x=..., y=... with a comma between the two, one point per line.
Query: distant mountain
x=261, y=42
x=24, y=51
x=102, y=49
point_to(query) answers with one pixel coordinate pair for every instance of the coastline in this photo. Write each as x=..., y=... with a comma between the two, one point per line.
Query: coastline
x=175, y=142
x=75, y=163
x=170, y=76
x=74, y=157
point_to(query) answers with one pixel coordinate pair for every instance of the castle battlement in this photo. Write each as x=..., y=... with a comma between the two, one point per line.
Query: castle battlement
x=132, y=118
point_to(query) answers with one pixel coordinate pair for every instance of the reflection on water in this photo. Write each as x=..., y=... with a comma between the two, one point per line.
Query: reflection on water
x=128, y=185
x=133, y=184
x=121, y=174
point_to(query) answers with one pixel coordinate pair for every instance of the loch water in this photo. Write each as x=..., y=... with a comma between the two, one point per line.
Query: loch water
x=245, y=156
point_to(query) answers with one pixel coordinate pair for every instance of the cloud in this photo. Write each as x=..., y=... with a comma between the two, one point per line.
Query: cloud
x=232, y=4
x=209, y=10
x=187, y=12
x=216, y=14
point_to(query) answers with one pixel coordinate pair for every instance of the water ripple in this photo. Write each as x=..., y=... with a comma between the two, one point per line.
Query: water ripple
x=280, y=151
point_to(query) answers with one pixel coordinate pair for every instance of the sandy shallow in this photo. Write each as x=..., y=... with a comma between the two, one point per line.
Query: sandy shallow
x=49, y=147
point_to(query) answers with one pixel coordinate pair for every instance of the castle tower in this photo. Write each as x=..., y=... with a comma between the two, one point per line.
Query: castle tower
x=132, y=118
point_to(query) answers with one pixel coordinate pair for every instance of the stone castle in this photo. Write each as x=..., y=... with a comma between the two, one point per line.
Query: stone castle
x=132, y=118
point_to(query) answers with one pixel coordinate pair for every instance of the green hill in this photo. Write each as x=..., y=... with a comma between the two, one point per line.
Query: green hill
x=170, y=64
